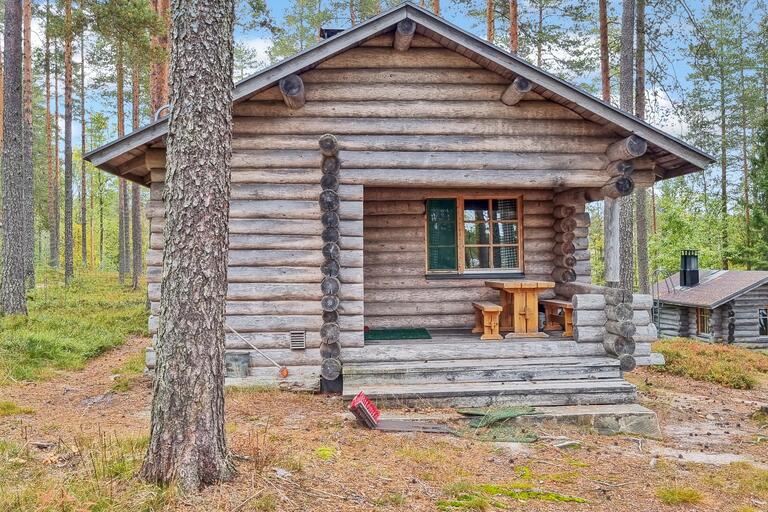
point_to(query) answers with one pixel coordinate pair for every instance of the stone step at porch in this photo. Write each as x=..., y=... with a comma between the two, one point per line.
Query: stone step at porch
x=360, y=375
x=483, y=394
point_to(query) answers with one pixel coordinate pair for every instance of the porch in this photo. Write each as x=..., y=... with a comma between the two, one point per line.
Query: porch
x=454, y=368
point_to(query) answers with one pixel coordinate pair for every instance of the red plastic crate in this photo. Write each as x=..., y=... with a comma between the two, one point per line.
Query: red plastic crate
x=365, y=410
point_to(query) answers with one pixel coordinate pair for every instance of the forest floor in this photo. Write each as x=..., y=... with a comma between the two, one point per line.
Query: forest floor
x=75, y=441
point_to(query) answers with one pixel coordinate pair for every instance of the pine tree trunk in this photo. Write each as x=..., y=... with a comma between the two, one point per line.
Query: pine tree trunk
x=641, y=196
x=723, y=172
x=436, y=7
x=605, y=66
x=68, y=203
x=626, y=203
x=56, y=223
x=187, y=441
x=52, y=258
x=121, y=224
x=135, y=189
x=29, y=186
x=490, y=21
x=514, y=28
x=540, y=35
x=101, y=220
x=744, y=151
x=13, y=298
x=83, y=174
x=159, y=71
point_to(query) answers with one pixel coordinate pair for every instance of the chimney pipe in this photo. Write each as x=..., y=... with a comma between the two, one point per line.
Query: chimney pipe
x=689, y=268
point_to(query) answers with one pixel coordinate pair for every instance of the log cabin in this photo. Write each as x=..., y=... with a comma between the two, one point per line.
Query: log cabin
x=727, y=306
x=403, y=189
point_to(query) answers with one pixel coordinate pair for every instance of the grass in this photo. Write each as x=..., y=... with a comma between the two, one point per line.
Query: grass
x=467, y=496
x=67, y=326
x=733, y=367
x=98, y=474
x=325, y=452
x=678, y=495
x=11, y=409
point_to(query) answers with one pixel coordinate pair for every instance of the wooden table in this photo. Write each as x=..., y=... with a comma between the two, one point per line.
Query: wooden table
x=520, y=300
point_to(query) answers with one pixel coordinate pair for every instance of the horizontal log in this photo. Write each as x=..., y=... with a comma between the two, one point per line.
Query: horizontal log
x=394, y=234
x=433, y=321
x=394, y=208
x=375, y=309
x=393, y=222
x=425, y=75
x=388, y=270
x=451, y=143
x=429, y=124
x=516, y=91
x=568, y=290
x=396, y=282
x=276, y=292
x=538, y=221
x=625, y=329
x=274, y=258
x=586, y=317
x=375, y=258
x=642, y=301
x=537, y=207
x=618, y=186
x=468, y=178
x=367, y=57
x=289, y=307
x=259, y=323
x=589, y=301
x=588, y=334
x=263, y=192
x=626, y=149
x=582, y=220
x=412, y=194
x=264, y=242
x=393, y=246
x=546, y=234
x=288, y=275
x=387, y=41
x=542, y=246
x=476, y=160
x=411, y=109
x=428, y=295
x=272, y=340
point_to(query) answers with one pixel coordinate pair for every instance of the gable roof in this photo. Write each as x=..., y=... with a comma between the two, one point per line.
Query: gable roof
x=673, y=156
x=715, y=288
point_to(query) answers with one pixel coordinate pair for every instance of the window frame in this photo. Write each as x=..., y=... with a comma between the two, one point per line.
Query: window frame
x=461, y=270
x=763, y=311
x=703, y=315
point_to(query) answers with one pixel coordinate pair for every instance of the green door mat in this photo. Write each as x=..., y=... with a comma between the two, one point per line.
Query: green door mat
x=397, y=334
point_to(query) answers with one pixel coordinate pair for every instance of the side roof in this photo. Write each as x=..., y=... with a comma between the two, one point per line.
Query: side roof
x=674, y=157
x=716, y=287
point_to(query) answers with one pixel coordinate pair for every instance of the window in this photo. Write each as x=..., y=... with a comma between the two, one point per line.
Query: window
x=762, y=320
x=702, y=321
x=466, y=235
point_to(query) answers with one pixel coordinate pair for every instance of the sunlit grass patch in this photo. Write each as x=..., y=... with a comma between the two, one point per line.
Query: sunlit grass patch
x=672, y=495
x=325, y=452
x=468, y=496
x=395, y=499
x=11, y=409
x=430, y=455
x=733, y=367
x=741, y=479
x=67, y=326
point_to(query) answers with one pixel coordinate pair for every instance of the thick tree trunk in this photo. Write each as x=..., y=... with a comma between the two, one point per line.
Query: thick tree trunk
x=68, y=235
x=13, y=299
x=83, y=174
x=605, y=66
x=56, y=222
x=136, y=231
x=436, y=7
x=723, y=172
x=158, y=78
x=53, y=256
x=641, y=199
x=514, y=28
x=29, y=186
x=188, y=442
x=626, y=87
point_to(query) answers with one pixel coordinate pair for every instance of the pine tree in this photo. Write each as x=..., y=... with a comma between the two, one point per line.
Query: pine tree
x=641, y=199
x=83, y=174
x=68, y=196
x=626, y=99
x=757, y=253
x=29, y=186
x=302, y=22
x=605, y=67
x=514, y=28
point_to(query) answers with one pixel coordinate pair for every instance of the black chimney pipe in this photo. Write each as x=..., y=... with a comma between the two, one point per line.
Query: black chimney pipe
x=689, y=268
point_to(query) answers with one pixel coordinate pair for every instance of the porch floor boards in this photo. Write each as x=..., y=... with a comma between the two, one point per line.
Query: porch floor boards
x=456, y=369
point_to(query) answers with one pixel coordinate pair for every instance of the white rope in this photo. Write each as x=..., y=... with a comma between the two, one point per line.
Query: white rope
x=254, y=347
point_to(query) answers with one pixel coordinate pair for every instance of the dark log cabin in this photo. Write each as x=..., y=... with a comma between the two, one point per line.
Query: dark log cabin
x=452, y=164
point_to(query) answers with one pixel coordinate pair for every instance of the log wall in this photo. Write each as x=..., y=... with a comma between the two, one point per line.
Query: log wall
x=745, y=316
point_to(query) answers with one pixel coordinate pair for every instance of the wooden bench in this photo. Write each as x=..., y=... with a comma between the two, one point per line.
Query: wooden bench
x=558, y=315
x=487, y=320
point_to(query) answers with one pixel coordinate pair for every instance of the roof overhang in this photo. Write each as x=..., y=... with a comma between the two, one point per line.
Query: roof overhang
x=674, y=156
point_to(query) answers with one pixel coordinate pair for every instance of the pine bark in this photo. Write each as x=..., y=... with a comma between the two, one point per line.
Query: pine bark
x=490, y=21
x=626, y=203
x=52, y=259
x=122, y=246
x=56, y=222
x=136, y=230
x=29, y=186
x=723, y=172
x=68, y=202
x=83, y=173
x=13, y=298
x=436, y=7
x=187, y=441
x=641, y=196
x=514, y=27
x=605, y=66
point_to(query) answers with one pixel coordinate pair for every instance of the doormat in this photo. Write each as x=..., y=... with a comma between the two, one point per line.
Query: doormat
x=397, y=334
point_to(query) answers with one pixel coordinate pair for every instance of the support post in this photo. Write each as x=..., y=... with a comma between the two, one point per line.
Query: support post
x=404, y=34
x=627, y=149
x=516, y=91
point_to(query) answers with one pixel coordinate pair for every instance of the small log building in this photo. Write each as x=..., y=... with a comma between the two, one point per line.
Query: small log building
x=452, y=163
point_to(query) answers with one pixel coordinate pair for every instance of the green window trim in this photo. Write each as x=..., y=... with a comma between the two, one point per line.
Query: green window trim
x=442, y=242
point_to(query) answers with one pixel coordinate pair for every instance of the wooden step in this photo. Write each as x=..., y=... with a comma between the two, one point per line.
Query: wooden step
x=481, y=370
x=483, y=394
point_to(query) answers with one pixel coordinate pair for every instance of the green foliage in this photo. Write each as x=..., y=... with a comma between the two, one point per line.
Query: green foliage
x=67, y=326
x=302, y=22
x=678, y=495
x=325, y=452
x=755, y=252
x=11, y=409
x=466, y=496
x=733, y=367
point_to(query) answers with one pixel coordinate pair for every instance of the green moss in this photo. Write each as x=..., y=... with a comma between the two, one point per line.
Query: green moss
x=465, y=502
x=67, y=326
x=11, y=409
x=467, y=495
x=678, y=495
x=325, y=452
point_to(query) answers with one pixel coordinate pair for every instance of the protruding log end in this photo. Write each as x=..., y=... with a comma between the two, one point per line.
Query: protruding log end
x=292, y=89
x=330, y=369
x=618, y=186
x=627, y=363
x=331, y=165
x=627, y=149
x=620, y=168
x=562, y=211
x=330, y=333
x=329, y=145
x=565, y=225
x=563, y=275
x=516, y=91
x=404, y=34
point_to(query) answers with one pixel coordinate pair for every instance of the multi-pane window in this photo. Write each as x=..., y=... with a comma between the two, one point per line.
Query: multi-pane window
x=702, y=321
x=762, y=320
x=483, y=236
